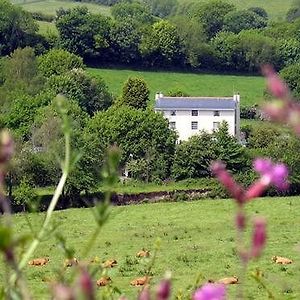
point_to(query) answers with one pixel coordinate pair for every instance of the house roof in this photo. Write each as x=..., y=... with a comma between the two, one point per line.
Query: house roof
x=201, y=103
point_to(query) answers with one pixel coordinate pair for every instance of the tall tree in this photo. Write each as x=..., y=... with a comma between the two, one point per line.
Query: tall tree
x=16, y=27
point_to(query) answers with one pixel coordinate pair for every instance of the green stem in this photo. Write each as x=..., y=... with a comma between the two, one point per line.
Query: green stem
x=50, y=209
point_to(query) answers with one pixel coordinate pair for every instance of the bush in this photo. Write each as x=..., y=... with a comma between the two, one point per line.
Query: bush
x=24, y=194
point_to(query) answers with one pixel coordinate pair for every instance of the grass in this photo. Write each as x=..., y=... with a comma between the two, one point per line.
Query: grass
x=250, y=87
x=47, y=28
x=196, y=238
x=276, y=9
x=49, y=7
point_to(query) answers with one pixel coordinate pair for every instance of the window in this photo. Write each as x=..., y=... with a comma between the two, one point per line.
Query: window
x=194, y=125
x=216, y=125
x=194, y=113
x=173, y=112
x=172, y=125
x=216, y=113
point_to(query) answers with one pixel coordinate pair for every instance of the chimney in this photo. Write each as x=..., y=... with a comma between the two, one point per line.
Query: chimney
x=157, y=96
x=236, y=98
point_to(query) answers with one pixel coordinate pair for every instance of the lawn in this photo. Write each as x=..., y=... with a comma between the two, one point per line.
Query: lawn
x=250, y=87
x=47, y=28
x=196, y=238
x=49, y=7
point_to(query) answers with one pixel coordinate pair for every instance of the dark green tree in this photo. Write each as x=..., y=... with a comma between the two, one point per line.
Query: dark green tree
x=236, y=21
x=83, y=33
x=58, y=61
x=135, y=93
x=259, y=11
x=90, y=93
x=162, y=8
x=291, y=75
x=17, y=27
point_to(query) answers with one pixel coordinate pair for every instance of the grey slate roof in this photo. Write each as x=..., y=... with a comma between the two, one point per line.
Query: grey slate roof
x=201, y=103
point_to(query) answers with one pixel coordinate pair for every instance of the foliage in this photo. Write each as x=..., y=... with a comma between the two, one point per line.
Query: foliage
x=90, y=93
x=291, y=75
x=162, y=8
x=83, y=33
x=160, y=44
x=289, y=51
x=132, y=11
x=259, y=11
x=58, y=61
x=236, y=21
x=211, y=14
x=16, y=27
x=24, y=193
x=139, y=134
x=135, y=93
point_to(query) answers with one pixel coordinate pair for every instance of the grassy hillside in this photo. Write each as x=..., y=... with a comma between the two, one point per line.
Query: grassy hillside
x=49, y=7
x=196, y=238
x=250, y=87
x=47, y=27
x=276, y=9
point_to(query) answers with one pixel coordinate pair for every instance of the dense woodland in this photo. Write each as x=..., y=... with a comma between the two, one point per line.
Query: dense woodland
x=213, y=36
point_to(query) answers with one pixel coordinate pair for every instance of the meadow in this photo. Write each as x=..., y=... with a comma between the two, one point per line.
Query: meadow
x=197, y=240
x=251, y=88
x=50, y=7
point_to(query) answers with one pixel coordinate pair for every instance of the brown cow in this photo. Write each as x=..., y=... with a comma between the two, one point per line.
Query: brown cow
x=228, y=280
x=110, y=263
x=143, y=253
x=103, y=281
x=281, y=260
x=39, y=261
x=140, y=281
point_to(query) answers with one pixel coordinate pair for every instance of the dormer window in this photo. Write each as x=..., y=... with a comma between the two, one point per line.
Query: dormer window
x=194, y=113
x=173, y=112
x=216, y=113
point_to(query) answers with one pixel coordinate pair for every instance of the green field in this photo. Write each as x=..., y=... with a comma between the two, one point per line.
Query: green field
x=49, y=7
x=46, y=28
x=196, y=238
x=250, y=87
x=276, y=9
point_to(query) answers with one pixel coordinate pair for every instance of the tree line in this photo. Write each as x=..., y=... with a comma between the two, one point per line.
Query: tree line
x=212, y=35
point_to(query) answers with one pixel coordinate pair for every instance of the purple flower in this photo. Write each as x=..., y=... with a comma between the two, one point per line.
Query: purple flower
x=276, y=174
x=210, y=291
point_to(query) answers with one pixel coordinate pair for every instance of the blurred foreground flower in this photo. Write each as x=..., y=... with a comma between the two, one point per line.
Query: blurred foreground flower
x=210, y=291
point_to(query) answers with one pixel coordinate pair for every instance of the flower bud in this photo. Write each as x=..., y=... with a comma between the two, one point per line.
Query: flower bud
x=144, y=294
x=240, y=220
x=210, y=292
x=163, y=290
x=259, y=237
x=6, y=146
x=86, y=285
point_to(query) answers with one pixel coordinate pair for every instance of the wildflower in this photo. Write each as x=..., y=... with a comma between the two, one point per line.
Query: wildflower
x=163, y=290
x=259, y=237
x=6, y=146
x=144, y=294
x=276, y=86
x=210, y=291
x=275, y=174
x=86, y=285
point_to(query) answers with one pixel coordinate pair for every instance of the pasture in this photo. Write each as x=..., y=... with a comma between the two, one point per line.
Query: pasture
x=251, y=88
x=197, y=239
x=49, y=7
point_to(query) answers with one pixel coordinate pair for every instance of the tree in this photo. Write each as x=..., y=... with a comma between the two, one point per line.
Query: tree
x=135, y=11
x=162, y=8
x=139, y=134
x=135, y=93
x=236, y=21
x=291, y=75
x=289, y=51
x=16, y=27
x=83, y=33
x=193, y=157
x=161, y=45
x=259, y=11
x=125, y=38
x=58, y=61
x=211, y=15
x=90, y=93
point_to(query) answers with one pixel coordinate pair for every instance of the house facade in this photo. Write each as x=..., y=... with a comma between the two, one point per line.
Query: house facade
x=189, y=115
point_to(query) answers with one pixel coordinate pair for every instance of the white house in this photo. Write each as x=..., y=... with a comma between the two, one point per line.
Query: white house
x=189, y=115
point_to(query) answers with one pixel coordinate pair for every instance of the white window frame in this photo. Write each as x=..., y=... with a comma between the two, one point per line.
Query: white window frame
x=216, y=125
x=172, y=125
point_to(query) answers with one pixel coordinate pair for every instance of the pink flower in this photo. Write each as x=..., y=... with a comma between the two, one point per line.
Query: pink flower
x=275, y=174
x=210, y=291
x=163, y=290
x=276, y=86
x=259, y=237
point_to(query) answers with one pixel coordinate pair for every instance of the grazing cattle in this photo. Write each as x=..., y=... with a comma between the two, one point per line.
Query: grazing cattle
x=103, y=281
x=39, y=261
x=143, y=253
x=70, y=262
x=110, y=263
x=140, y=281
x=281, y=260
x=229, y=280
